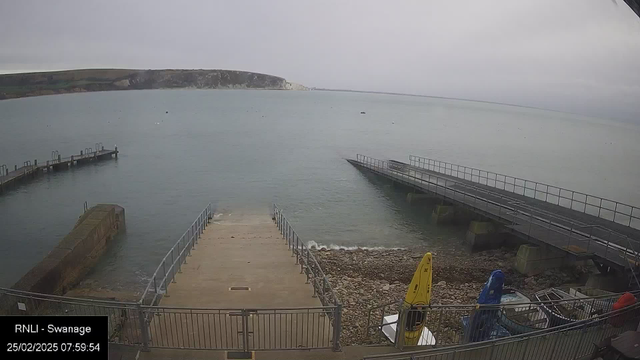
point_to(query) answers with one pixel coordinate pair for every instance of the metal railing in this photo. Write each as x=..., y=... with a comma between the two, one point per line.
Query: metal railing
x=612, y=210
x=147, y=325
x=460, y=324
x=242, y=329
x=29, y=167
x=189, y=328
x=375, y=322
x=570, y=341
x=171, y=264
x=525, y=220
x=308, y=264
x=315, y=276
x=124, y=317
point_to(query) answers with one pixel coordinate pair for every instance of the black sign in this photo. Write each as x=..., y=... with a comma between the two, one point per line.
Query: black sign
x=54, y=337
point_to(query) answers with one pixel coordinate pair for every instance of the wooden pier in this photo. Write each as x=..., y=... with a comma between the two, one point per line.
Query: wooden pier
x=29, y=170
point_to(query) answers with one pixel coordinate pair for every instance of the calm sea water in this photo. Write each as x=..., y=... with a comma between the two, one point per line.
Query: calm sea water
x=249, y=149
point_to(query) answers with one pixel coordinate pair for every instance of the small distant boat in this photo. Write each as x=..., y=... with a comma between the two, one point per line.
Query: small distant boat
x=561, y=313
x=415, y=302
x=520, y=319
x=362, y=112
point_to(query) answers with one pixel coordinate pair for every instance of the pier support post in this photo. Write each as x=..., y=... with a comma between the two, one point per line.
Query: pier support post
x=116, y=148
x=484, y=235
x=532, y=259
x=443, y=214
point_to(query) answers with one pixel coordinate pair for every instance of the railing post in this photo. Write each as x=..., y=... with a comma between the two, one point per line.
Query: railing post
x=180, y=259
x=337, y=327
x=314, y=283
x=571, y=204
x=143, y=328
x=245, y=330
x=400, y=325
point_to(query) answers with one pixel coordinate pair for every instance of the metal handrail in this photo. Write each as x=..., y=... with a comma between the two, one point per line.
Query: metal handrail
x=310, y=267
x=475, y=175
x=304, y=257
x=384, y=309
x=577, y=305
x=67, y=299
x=510, y=213
x=144, y=330
x=183, y=246
x=506, y=305
x=420, y=162
x=578, y=325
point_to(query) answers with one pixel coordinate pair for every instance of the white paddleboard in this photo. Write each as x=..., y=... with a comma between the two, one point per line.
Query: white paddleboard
x=389, y=330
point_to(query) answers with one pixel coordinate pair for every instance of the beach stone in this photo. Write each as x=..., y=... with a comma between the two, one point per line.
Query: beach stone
x=365, y=279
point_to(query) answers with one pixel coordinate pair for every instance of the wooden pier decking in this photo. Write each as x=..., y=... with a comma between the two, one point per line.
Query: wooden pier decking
x=28, y=170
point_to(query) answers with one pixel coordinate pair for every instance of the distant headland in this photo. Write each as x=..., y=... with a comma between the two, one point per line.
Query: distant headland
x=85, y=80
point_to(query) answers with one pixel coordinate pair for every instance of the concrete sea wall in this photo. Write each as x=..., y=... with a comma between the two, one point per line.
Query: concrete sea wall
x=76, y=253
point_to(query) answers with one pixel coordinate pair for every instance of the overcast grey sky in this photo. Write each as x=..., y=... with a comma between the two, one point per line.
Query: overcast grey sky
x=570, y=55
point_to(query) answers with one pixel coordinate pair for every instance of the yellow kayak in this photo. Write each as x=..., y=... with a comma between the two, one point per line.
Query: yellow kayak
x=418, y=296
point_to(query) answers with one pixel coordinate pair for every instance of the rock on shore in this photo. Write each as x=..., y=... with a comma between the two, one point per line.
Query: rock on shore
x=363, y=279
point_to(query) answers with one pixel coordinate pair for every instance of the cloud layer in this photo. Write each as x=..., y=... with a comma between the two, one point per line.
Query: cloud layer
x=570, y=55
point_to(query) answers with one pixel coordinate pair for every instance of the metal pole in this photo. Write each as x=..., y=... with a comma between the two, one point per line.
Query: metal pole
x=337, y=327
x=245, y=330
x=546, y=194
x=400, y=325
x=143, y=328
x=571, y=205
